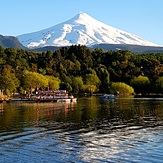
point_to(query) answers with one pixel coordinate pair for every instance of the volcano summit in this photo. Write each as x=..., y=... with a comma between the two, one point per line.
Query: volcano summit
x=81, y=29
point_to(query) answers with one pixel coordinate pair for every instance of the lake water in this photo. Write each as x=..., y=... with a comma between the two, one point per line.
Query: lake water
x=119, y=131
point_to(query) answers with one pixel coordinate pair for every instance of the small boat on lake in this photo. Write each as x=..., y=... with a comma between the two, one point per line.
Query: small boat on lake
x=108, y=97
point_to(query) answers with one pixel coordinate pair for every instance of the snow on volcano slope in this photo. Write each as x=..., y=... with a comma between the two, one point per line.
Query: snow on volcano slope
x=81, y=29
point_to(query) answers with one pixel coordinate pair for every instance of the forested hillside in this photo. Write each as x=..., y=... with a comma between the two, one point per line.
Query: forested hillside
x=79, y=69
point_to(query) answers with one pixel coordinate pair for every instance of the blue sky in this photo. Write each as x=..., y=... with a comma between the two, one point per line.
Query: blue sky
x=143, y=18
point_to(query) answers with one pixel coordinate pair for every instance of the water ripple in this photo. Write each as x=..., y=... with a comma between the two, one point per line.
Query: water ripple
x=82, y=135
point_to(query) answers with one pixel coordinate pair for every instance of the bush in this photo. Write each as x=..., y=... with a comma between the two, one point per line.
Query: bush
x=141, y=84
x=121, y=88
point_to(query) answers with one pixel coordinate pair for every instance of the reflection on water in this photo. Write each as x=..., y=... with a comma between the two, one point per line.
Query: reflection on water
x=123, y=130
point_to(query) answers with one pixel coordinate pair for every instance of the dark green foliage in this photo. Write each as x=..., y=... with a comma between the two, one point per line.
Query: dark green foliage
x=77, y=64
x=8, y=81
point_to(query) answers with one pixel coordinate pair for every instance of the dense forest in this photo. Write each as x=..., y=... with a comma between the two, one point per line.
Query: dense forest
x=80, y=69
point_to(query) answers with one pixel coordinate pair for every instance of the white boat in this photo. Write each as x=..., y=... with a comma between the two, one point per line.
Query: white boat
x=55, y=95
x=64, y=100
x=108, y=96
x=49, y=96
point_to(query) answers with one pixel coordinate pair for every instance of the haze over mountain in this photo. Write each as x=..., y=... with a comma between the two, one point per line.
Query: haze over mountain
x=81, y=29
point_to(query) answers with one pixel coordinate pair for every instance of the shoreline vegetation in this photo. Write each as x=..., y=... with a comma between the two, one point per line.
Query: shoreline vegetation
x=79, y=70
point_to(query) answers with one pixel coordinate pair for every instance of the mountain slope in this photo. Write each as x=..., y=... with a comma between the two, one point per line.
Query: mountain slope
x=81, y=29
x=10, y=42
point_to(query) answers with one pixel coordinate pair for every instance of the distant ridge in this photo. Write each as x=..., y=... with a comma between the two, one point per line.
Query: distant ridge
x=114, y=47
x=132, y=48
x=10, y=42
x=81, y=29
x=46, y=48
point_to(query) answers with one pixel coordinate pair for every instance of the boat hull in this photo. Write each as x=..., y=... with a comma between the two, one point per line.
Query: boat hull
x=108, y=97
x=44, y=100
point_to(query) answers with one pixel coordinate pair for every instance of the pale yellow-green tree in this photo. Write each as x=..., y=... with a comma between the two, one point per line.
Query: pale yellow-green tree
x=92, y=81
x=53, y=82
x=140, y=84
x=89, y=88
x=32, y=80
x=121, y=88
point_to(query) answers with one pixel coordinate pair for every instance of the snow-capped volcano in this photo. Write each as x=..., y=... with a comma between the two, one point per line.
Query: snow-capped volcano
x=81, y=29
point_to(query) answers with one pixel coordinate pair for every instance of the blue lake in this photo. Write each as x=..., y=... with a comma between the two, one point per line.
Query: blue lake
x=90, y=130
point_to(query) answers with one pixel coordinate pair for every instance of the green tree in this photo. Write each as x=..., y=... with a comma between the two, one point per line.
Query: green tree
x=92, y=80
x=104, y=77
x=77, y=84
x=53, y=82
x=159, y=84
x=2, y=56
x=121, y=88
x=31, y=80
x=8, y=81
x=89, y=88
x=65, y=86
x=11, y=56
x=42, y=71
x=141, y=84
